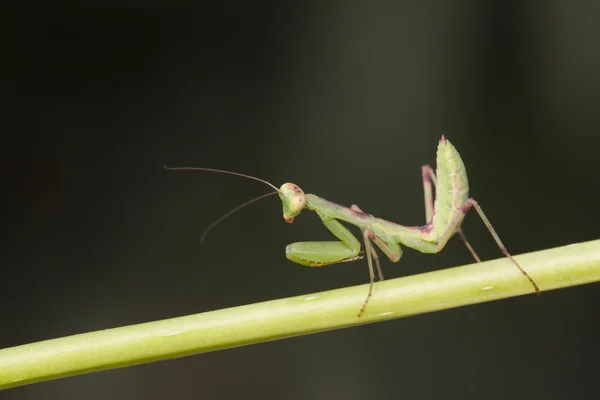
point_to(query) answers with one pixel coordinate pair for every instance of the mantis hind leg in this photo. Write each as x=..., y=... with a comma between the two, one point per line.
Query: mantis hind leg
x=429, y=178
x=453, y=226
x=319, y=254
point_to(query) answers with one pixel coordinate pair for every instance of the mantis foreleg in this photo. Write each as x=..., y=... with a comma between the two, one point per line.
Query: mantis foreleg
x=318, y=254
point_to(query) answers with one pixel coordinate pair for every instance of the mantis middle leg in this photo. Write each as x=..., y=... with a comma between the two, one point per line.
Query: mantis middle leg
x=389, y=247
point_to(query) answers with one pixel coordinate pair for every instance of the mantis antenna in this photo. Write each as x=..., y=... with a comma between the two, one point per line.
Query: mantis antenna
x=221, y=218
x=222, y=172
x=238, y=208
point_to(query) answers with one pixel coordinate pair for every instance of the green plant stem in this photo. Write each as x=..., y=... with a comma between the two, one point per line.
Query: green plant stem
x=395, y=298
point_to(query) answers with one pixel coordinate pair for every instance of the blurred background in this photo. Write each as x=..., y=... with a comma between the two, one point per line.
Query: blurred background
x=347, y=100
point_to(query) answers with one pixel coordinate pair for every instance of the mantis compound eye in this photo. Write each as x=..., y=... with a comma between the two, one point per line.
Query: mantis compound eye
x=298, y=202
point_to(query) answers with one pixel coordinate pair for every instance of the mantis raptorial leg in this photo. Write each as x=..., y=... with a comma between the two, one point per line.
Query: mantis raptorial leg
x=444, y=216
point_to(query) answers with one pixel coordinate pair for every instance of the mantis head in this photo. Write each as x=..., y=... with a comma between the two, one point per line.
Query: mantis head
x=293, y=199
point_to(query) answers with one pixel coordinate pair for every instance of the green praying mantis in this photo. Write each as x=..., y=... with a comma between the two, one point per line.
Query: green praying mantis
x=444, y=216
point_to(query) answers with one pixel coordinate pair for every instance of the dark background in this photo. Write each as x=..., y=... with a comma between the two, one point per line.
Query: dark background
x=347, y=100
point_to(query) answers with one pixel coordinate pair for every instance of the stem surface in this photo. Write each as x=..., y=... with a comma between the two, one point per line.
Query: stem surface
x=221, y=329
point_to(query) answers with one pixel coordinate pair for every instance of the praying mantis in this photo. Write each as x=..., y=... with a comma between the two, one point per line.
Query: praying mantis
x=443, y=215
